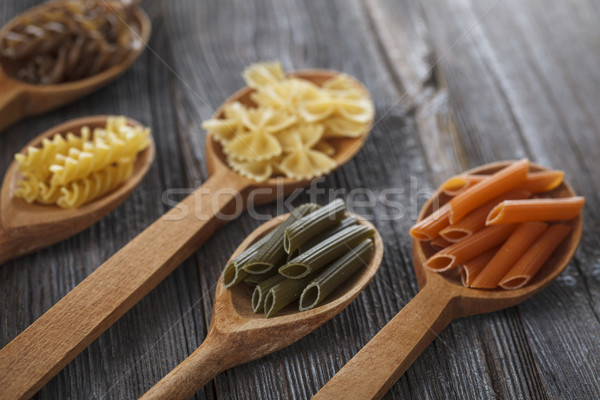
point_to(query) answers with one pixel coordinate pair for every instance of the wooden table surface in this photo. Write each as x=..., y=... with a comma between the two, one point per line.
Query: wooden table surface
x=456, y=84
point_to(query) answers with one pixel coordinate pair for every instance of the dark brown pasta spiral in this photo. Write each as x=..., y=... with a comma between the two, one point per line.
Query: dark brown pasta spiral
x=68, y=40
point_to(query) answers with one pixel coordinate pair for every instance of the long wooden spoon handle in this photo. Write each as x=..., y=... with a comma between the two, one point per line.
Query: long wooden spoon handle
x=378, y=365
x=47, y=346
x=211, y=358
x=12, y=101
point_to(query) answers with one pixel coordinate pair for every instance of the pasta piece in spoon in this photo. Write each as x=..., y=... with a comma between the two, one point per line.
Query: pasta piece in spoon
x=305, y=163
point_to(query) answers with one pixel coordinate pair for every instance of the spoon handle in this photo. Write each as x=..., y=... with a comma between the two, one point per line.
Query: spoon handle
x=12, y=101
x=51, y=342
x=206, y=362
x=378, y=365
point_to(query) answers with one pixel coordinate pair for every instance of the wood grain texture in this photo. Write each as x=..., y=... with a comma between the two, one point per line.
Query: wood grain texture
x=523, y=81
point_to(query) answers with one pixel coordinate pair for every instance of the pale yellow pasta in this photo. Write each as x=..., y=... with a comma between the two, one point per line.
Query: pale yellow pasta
x=268, y=120
x=227, y=128
x=38, y=159
x=258, y=170
x=48, y=194
x=70, y=171
x=258, y=75
x=316, y=106
x=253, y=146
x=356, y=110
x=310, y=135
x=324, y=147
x=28, y=187
x=107, y=147
x=342, y=86
x=80, y=192
x=285, y=95
x=340, y=127
x=284, y=132
x=306, y=163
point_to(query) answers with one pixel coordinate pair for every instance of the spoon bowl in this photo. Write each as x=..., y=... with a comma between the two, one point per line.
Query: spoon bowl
x=19, y=99
x=345, y=148
x=124, y=279
x=477, y=301
x=237, y=335
x=26, y=227
x=441, y=299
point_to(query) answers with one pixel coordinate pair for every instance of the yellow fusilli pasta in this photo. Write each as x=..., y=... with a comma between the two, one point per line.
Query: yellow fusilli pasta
x=82, y=191
x=107, y=147
x=73, y=170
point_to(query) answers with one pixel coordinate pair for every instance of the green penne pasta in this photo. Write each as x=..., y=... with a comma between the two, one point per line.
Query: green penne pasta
x=271, y=252
x=334, y=275
x=283, y=293
x=261, y=290
x=325, y=252
x=255, y=279
x=312, y=224
x=346, y=222
x=233, y=272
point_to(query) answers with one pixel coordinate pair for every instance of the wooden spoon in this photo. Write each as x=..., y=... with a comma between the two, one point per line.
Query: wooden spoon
x=43, y=349
x=20, y=99
x=26, y=227
x=237, y=335
x=442, y=298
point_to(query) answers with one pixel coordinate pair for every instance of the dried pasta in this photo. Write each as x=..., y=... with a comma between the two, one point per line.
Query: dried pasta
x=440, y=243
x=73, y=170
x=511, y=254
x=471, y=268
x=535, y=182
x=82, y=191
x=330, y=256
x=514, y=247
x=429, y=227
x=475, y=220
x=500, y=182
x=68, y=40
x=287, y=130
x=511, y=211
x=531, y=262
x=470, y=247
x=109, y=146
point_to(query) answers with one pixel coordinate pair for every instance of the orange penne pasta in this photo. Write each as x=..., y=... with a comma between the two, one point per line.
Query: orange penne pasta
x=542, y=181
x=439, y=243
x=471, y=268
x=458, y=183
x=475, y=220
x=536, y=182
x=429, y=227
x=533, y=259
x=469, y=248
x=516, y=245
x=500, y=182
x=512, y=211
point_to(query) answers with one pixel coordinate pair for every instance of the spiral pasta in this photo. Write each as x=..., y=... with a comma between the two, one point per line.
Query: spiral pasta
x=287, y=131
x=82, y=191
x=73, y=170
x=108, y=147
x=68, y=40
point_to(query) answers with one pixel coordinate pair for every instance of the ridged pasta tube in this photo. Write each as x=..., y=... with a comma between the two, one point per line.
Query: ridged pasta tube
x=325, y=252
x=334, y=275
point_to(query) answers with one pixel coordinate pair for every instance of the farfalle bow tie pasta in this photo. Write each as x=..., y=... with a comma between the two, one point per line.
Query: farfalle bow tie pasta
x=287, y=130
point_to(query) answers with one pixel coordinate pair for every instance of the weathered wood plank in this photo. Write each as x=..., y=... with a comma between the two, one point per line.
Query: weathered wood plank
x=521, y=82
